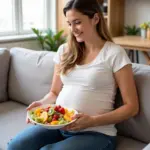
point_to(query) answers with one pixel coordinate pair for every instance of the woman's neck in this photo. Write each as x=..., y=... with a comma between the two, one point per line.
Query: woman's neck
x=94, y=44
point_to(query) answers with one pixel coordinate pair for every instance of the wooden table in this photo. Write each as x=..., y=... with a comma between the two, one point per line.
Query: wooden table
x=134, y=43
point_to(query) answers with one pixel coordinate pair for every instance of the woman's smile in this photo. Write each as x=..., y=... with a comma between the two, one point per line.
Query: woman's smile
x=78, y=34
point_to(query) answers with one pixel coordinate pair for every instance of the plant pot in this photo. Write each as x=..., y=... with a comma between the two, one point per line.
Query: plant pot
x=148, y=33
x=143, y=33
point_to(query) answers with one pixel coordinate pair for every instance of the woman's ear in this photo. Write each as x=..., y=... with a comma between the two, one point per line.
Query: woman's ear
x=96, y=18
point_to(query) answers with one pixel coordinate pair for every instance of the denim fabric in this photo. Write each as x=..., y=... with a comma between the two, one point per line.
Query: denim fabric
x=38, y=138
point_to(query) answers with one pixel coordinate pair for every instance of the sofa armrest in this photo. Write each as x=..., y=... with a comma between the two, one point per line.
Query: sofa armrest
x=4, y=68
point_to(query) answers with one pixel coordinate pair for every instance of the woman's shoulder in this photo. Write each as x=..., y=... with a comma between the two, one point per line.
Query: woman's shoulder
x=113, y=48
x=59, y=53
x=116, y=56
x=62, y=48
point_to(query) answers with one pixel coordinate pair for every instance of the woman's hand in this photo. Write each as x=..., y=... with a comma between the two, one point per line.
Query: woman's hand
x=83, y=121
x=32, y=105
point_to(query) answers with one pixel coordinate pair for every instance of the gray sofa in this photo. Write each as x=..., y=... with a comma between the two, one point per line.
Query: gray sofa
x=26, y=76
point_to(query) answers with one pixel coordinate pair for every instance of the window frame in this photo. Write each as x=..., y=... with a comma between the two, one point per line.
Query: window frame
x=18, y=18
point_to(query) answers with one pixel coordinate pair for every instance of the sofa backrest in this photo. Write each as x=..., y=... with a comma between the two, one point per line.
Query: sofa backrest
x=4, y=67
x=30, y=74
x=138, y=127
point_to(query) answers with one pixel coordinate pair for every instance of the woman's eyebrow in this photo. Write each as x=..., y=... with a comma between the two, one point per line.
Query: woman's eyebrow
x=73, y=20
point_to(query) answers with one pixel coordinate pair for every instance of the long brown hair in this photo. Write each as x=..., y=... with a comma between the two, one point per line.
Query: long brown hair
x=75, y=51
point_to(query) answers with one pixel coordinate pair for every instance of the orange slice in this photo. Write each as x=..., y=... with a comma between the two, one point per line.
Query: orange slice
x=37, y=111
x=44, y=115
x=67, y=117
x=54, y=122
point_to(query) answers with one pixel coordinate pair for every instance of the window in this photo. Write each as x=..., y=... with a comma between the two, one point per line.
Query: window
x=19, y=16
x=6, y=16
x=33, y=14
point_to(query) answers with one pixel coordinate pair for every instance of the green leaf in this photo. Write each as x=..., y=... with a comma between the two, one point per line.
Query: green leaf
x=39, y=36
x=131, y=30
x=50, y=41
x=50, y=32
x=58, y=35
x=35, y=31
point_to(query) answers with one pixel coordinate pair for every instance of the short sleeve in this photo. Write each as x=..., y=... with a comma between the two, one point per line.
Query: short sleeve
x=58, y=54
x=119, y=59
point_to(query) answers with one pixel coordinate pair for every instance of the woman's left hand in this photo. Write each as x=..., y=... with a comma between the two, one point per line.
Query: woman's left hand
x=83, y=121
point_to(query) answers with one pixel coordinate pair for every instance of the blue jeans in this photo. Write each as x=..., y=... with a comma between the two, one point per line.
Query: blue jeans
x=38, y=138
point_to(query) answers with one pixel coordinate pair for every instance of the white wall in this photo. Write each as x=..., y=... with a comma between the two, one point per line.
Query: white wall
x=137, y=12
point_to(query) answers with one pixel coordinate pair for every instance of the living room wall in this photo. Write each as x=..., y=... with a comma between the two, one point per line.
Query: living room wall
x=137, y=12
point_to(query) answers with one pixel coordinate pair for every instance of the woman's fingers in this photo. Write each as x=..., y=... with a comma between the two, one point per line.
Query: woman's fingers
x=34, y=104
x=31, y=106
x=78, y=115
x=27, y=120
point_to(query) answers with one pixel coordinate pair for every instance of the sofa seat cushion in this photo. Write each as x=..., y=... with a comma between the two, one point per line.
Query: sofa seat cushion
x=4, y=67
x=30, y=74
x=124, y=143
x=12, y=121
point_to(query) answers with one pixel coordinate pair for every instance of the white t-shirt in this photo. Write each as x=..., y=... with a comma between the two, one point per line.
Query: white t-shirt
x=91, y=88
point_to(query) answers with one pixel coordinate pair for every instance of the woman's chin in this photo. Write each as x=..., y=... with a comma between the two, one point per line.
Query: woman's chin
x=79, y=40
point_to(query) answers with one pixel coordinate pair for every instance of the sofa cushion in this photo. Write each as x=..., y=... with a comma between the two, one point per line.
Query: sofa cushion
x=4, y=67
x=30, y=74
x=12, y=121
x=124, y=143
x=138, y=127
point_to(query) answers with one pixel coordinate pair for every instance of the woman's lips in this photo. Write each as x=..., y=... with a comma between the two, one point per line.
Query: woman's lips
x=77, y=35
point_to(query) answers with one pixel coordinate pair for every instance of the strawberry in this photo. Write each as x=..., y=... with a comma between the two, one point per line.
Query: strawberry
x=59, y=106
x=62, y=110
x=56, y=116
x=54, y=119
x=46, y=109
x=56, y=108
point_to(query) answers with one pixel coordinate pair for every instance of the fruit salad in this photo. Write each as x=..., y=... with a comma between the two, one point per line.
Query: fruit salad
x=52, y=115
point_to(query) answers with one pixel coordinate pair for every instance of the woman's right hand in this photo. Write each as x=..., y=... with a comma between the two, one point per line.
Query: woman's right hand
x=32, y=105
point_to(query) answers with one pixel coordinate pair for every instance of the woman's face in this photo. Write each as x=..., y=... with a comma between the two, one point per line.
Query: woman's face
x=80, y=25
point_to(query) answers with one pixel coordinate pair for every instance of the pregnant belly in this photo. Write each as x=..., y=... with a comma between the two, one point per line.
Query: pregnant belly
x=85, y=101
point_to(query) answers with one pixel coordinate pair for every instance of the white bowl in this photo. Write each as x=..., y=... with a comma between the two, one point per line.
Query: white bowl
x=47, y=125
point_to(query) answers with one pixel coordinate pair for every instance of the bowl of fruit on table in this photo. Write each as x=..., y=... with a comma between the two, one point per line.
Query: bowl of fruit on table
x=51, y=116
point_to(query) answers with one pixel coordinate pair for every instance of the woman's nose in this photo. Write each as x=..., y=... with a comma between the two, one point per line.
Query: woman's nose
x=73, y=28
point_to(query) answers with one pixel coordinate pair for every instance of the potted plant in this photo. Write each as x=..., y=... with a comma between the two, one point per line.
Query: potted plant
x=131, y=30
x=148, y=31
x=49, y=40
x=144, y=27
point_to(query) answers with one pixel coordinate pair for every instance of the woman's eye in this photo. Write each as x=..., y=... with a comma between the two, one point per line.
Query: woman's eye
x=77, y=22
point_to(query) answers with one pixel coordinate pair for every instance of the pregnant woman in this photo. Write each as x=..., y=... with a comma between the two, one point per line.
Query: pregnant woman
x=88, y=70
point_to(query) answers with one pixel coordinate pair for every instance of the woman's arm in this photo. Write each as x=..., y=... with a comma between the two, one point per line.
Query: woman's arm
x=55, y=88
x=125, y=81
